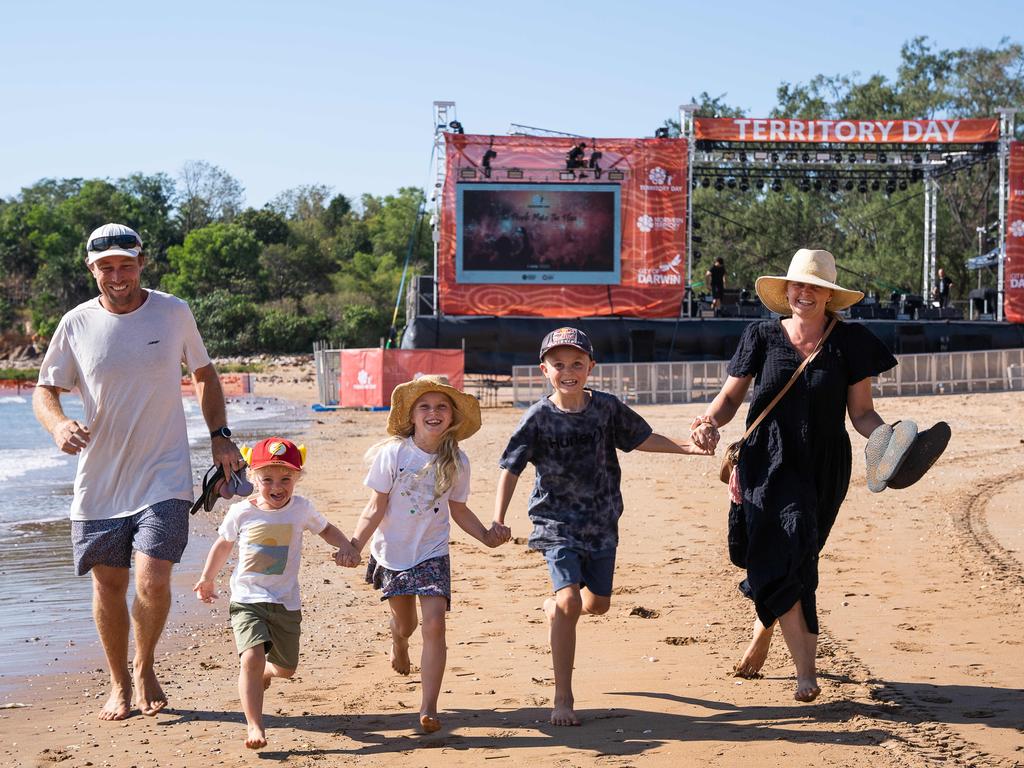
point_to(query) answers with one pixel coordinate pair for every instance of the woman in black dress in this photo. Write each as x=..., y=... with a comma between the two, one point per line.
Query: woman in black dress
x=794, y=469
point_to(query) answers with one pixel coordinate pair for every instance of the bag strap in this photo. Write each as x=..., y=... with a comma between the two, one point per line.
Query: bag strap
x=793, y=378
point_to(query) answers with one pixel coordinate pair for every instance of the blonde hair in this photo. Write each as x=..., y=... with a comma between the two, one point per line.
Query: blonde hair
x=446, y=459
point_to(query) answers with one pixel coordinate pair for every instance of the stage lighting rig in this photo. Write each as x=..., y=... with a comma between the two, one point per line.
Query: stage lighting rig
x=574, y=157
x=514, y=173
x=456, y=126
x=616, y=175
x=776, y=185
x=594, y=163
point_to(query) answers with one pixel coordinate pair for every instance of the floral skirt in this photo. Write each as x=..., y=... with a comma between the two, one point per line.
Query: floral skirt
x=431, y=577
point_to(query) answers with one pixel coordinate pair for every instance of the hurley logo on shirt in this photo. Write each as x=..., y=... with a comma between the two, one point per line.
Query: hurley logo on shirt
x=576, y=439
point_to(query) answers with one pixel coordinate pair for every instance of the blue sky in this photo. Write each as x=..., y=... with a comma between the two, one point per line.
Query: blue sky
x=338, y=93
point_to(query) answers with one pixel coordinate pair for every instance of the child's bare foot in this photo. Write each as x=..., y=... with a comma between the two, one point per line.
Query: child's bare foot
x=149, y=696
x=118, y=706
x=399, y=652
x=807, y=689
x=430, y=723
x=564, y=714
x=749, y=666
x=256, y=738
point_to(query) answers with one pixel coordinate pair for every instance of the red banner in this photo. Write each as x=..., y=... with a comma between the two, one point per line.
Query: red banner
x=649, y=179
x=848, y=131
x=368, y=376
x=1013, y=269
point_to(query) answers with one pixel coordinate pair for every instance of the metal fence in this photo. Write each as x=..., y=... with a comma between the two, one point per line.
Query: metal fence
x=997, y=370
x=328, y=369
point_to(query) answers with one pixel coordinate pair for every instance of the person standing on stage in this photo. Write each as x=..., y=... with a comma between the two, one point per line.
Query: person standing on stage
x=123, y=351
x=716, y=279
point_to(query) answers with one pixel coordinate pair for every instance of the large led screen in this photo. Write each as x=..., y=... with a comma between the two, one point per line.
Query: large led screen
x=538, y=233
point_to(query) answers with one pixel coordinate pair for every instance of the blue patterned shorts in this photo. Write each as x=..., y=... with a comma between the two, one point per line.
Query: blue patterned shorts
x=431, y=577
x=160, y=531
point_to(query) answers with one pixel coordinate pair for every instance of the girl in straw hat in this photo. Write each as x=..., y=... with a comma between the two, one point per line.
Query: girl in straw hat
x=794, y=468
x=418, y=478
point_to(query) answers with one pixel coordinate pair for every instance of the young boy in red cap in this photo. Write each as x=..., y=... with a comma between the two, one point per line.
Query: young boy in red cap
x=265, y=607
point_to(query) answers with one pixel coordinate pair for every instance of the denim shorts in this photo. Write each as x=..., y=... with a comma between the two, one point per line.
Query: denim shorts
x=593, y=570
x=159, y=531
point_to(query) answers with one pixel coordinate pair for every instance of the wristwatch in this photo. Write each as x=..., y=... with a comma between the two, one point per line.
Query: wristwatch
x=222, y=432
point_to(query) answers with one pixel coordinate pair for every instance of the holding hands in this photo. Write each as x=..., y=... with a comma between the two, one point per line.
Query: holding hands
x=348, y=557
x=496, y=535
x=704, y=433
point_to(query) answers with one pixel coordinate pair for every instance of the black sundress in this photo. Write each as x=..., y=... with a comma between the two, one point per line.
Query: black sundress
x=794, y=469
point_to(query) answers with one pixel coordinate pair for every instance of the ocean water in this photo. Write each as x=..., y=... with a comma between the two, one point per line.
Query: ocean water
x=45, y=609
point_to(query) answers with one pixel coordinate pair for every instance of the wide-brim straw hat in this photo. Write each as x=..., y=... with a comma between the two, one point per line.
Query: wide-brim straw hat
x=405, y=395
x=813, y=268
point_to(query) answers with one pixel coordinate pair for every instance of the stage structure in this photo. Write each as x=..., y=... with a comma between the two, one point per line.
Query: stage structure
x=540, y=227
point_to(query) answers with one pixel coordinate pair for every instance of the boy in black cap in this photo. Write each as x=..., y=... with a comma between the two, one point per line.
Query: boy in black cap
x=571, y=437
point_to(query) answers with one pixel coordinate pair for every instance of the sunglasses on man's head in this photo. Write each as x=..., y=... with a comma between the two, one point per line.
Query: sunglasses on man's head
x=113, y=241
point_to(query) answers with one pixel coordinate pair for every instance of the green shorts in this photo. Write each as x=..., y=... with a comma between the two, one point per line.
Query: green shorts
x=271, y=624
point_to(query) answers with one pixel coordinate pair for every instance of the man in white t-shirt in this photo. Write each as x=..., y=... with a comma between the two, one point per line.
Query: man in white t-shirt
x=123, y=352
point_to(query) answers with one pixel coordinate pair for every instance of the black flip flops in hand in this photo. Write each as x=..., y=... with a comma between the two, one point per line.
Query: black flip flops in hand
x=215, y=486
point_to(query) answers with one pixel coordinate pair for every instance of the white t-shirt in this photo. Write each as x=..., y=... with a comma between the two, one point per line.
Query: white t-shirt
x=128, y=370
x=269, y=550
x=416, y=526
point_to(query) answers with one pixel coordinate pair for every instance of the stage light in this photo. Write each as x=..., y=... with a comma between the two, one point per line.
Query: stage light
x=837, y=157
x=743, y=157
x=705, y=182
x=817, y=185
x=890, y=187
x=805, y=158
x=918, y=159
x=882, y=157
x=862, y=186
x=514, y=173
x=574, y=157
x=833, y=185
x=731, y=183
x=822, y=157
x=489, y=155
x=875, y=184
x=851, y=158
x=790, y=157
x=616, y=175
x=566, y=175
x=775, y=157
x=760, y=156
x=661, y=133
x=849, y=185
x=719, y=185
x=744, y=184
x=903, y=185
x=456, y=126
x=776, y=185
x=467, y=173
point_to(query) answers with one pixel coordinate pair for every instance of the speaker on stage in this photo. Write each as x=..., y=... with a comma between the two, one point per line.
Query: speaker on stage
x=423, y=301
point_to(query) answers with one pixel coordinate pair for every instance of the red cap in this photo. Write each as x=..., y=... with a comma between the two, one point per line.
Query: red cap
x=276, y=450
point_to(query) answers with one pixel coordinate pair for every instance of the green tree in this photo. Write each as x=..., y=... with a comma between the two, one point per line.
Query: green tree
x=218, y=256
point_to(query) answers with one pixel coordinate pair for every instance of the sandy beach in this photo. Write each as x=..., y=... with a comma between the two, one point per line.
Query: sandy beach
x=921, y=604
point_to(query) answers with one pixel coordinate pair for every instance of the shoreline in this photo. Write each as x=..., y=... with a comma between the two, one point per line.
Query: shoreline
x=62, y=652
x=903, y=683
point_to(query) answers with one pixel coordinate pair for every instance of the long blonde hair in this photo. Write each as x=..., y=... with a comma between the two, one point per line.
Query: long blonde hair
x=446, y=459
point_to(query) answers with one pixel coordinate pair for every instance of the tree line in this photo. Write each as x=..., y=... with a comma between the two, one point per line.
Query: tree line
x=312, y=264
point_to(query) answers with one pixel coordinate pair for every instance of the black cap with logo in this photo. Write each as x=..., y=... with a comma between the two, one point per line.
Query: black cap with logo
x=567, y=337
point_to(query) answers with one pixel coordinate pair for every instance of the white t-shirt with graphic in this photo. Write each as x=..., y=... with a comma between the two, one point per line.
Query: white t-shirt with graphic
x=416, y=525
x=269, y=550
x=128, y=370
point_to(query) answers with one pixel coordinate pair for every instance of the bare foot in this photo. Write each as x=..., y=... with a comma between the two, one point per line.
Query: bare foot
x=564, y=714
x=256, y=738
x=429, y=724
x=149, y=696
x=118, y=706
x=749, y=666
x=807, y=689
x=399, y=652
